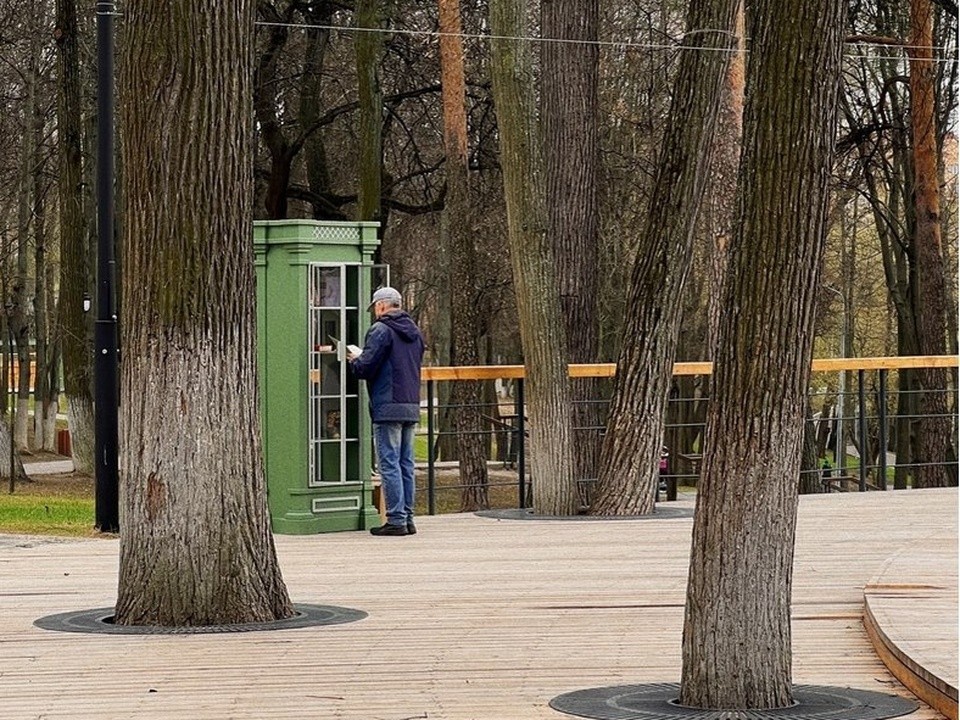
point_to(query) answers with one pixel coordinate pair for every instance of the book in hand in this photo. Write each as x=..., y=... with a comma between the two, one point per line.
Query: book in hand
x=351, y=349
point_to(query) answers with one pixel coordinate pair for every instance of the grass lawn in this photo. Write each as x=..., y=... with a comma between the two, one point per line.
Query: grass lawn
x=50, y=505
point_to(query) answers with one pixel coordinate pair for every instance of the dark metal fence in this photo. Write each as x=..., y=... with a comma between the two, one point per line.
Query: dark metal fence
x=868, y=420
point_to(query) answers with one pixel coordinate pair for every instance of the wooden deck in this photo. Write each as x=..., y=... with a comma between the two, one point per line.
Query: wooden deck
x=471, y=619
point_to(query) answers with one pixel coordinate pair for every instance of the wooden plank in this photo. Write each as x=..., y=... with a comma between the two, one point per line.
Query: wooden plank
x=470, y=619
x=606, y=370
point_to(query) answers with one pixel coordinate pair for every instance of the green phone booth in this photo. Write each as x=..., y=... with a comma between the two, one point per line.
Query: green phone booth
x=314, y=282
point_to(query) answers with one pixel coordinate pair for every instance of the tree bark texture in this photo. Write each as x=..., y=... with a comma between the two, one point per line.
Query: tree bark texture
x=568, y=102
x=19, y=474
x=934, y=435
x=75, y=268
x=369, y=47
x=531, y=256
x=736, y=636
x=630, y=455
x=720, y=204
x=466, y=323
x=195, y=545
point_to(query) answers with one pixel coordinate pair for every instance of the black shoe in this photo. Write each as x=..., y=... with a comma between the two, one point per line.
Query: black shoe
x=388, y=529
x=411, y=529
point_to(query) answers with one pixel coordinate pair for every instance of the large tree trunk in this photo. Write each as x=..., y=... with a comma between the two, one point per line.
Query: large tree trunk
x=75, y=268
x=736, y=636
x=195, y=543
x=630, y=457
x=534, y=276
x=568, y=102
x=465, y=304
x=934, y=435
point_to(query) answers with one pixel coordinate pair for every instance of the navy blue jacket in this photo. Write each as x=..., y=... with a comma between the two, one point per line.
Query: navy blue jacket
x=390, y=363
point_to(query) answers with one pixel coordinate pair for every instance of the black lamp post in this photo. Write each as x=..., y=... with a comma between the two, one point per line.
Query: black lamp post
x=106, y=360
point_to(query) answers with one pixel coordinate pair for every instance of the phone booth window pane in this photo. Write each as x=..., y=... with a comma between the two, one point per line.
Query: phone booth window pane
x=325, y=290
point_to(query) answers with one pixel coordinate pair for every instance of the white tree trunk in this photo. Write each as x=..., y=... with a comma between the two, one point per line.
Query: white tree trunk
x=21, y=425
x=18, y=471
x=50, y=426
x=80, y=422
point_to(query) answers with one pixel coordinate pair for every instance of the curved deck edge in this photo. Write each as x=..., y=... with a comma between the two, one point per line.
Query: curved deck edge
x=926, y=685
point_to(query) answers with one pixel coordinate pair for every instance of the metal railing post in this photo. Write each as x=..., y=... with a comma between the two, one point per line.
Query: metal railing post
x=882, y=412
x=431, y=469
x=521, y=445
x=862, y=399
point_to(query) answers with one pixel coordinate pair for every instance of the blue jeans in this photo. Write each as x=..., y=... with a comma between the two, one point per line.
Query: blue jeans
x=394, y=442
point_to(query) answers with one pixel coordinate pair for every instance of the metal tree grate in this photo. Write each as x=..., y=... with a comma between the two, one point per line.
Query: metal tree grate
x=99, y=620
x=658, y=701
x=659, y=513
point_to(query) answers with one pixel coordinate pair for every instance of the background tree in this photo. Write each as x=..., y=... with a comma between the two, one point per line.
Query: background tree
x=741, y=566
x=369, y=48
x=879, y=147
x=465, y=293
x=630, y=456
x=934, y=447
x=76, y=266
x=569, y=59
x=195, y=545
x=534, y=277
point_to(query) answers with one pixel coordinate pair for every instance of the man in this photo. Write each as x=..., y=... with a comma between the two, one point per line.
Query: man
x=390, y=363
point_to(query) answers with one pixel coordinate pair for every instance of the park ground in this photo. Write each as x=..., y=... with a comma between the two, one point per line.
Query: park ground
x=476, y=618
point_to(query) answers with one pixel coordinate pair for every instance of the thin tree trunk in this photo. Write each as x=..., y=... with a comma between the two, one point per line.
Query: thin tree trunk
x=317, y=15
x=41, y=388
x=934, y=436
x=265, y=108
x=368, y=48
x=809, y=482
x=630, y=456
x=20, y=320
x=720, y=212
x=534, y=275
x=75, y=267
x=195, y=544
x=465, y=304
x=736, y=636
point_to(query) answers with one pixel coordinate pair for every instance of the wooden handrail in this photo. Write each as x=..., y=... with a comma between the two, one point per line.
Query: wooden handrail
x=605, y=370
